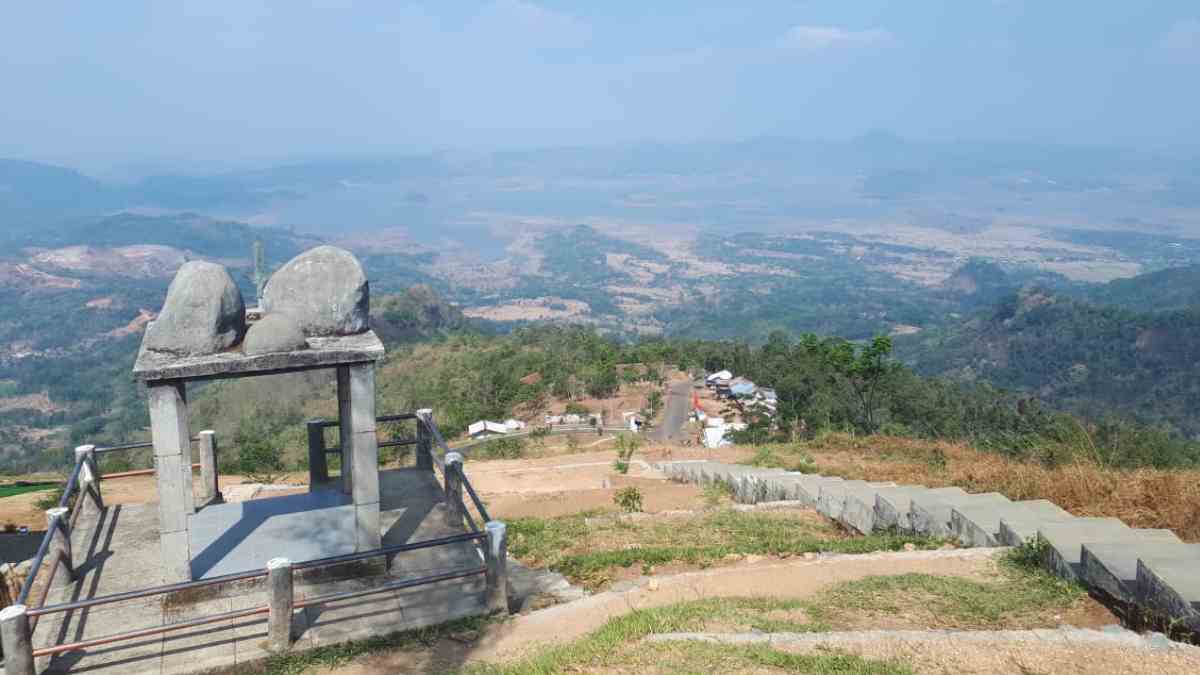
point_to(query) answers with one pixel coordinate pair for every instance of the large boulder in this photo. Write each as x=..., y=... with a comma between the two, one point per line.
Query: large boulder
x=203, y=313
x=273, y=333
x=324, y=290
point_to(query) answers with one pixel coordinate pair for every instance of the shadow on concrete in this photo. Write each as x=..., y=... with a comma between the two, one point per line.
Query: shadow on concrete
x=245, y=535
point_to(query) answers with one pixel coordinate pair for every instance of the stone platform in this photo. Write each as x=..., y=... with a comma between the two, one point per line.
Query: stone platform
x=117, y=550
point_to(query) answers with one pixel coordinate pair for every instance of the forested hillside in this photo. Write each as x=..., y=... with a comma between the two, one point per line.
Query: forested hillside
x=1079, y=356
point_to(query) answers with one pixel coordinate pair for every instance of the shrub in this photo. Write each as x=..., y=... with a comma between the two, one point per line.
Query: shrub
x=258, y=458
x=626, y=446
x=49, y=499
x=501, y=448
x=574, y=408
x=10, y=527
x=629, y=499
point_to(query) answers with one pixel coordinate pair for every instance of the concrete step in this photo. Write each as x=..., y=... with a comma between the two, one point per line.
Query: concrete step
x=893, y=509
x=859, y=510
x=979, y=524
x=807, y=488
x=930, y=515
x=1169, y=585
x=1019, y=529
x=1066, y=539
x=1112, y=567
x=832, y=498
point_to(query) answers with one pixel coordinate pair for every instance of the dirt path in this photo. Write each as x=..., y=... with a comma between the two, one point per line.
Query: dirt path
x=796, y=579
x=1064, y=650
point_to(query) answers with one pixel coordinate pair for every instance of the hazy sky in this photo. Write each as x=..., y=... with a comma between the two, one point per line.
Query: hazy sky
x=214, y=79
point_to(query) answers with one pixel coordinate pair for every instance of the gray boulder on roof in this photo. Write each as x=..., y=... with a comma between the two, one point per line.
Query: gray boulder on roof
x=274, y=333
x=203, y=313
x=324, y=290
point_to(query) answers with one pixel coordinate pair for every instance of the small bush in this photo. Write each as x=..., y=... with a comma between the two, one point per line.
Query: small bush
x=9, y=528
x=49, y=499
x=576, y=409
x=501, y=448
x=626, y=446
x=629, y=499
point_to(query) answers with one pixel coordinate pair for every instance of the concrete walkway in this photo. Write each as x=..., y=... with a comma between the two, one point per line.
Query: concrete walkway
x=117, y=550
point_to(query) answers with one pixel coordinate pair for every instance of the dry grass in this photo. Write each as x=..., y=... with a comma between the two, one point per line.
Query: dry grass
x=1168, y=498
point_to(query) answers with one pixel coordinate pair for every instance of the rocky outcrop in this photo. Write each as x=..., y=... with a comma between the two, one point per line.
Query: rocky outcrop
x=273, y=333
x=203, y=313
x=324, y=290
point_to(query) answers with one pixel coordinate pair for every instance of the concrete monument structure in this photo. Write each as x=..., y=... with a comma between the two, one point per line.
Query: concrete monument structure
x=315, y=315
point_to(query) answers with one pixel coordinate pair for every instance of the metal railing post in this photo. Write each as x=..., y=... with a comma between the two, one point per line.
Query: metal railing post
x=279, y=620
x=424, y=439
x=59, y=532
x=89, y=473
x=209, y=478
x=318, y=465
x=17, y=642
x=495, y=555
x=454, y=490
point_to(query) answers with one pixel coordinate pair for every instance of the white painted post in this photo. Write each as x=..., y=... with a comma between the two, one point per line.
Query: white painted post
x=424, y=439
x=16, y=640
x=60, y=539
x=496, y=558
x=89, y=473
x=209, y=478
x=173, y=471
x=279, y=620
x=453, y=490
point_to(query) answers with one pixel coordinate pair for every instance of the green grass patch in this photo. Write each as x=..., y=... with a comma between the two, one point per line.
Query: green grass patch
x=617, y=644
x=13, y=490
x=588, y=554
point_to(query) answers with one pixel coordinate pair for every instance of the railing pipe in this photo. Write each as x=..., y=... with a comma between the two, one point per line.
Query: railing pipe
x=476, y=500
x=27, y=587
x=388, y=550
x=89, y=473
x=393, y=586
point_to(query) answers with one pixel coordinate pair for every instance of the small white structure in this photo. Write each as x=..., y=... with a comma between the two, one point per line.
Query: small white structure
x=714, y=422
x=484, y=428
x=714, y=437
x=719, y=375
x=514, y=425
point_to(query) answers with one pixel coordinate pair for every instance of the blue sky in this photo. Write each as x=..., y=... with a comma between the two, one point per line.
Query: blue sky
x=243, y=79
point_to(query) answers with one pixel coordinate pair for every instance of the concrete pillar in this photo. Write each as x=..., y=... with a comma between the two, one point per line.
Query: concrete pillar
x=454, y=489
x=318, y=465
x=173, y=470
x=209, y=477
x=89, y=473
x=364, y=454
x=279, y=620
x=495, y=555
x=424, y=439
x=345, y=427
x=60, y=539
x=17, y=642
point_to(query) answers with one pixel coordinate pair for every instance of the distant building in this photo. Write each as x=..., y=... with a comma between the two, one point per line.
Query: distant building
x=485, y=429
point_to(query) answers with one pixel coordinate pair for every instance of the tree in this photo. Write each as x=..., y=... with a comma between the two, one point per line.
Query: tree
x=864, y=370
x=654, y=402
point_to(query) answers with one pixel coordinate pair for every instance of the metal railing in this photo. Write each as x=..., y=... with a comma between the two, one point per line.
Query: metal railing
x=18, y=622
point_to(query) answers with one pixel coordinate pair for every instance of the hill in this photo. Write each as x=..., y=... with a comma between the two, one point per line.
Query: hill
x=32, y=194
x=1165, y=290
x=1073, y=354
